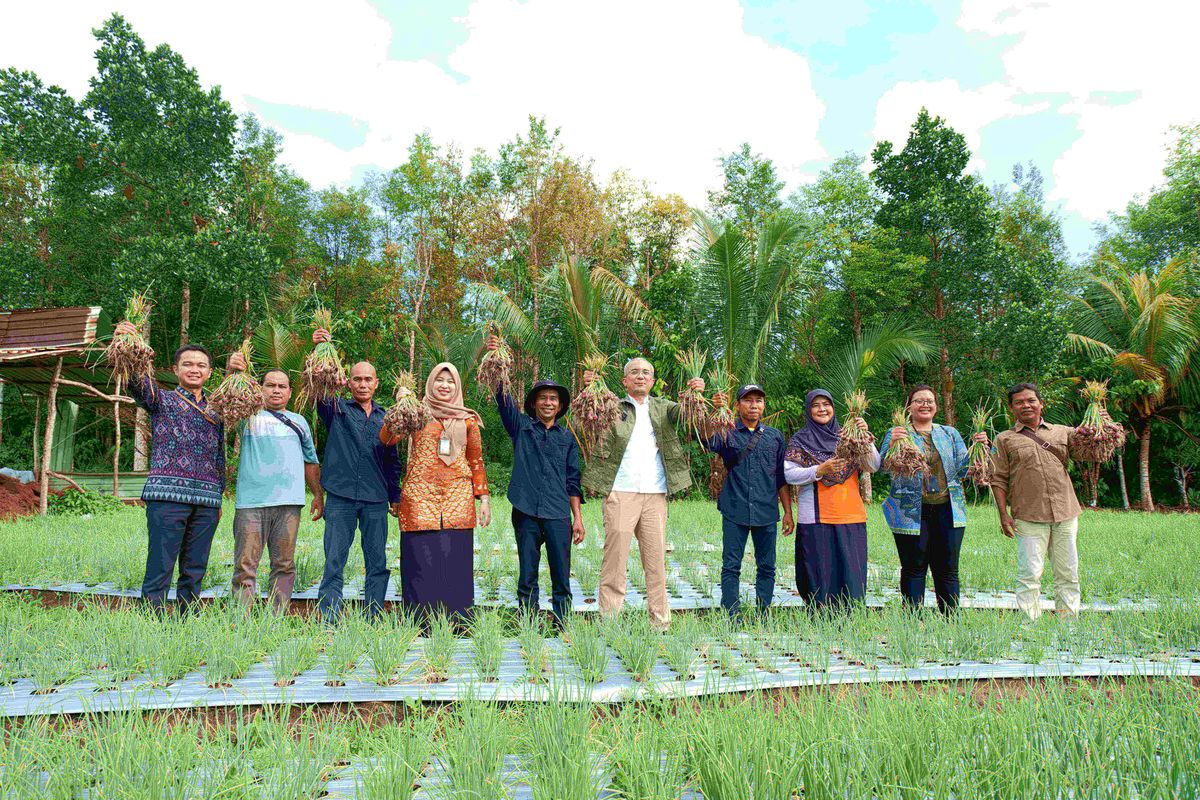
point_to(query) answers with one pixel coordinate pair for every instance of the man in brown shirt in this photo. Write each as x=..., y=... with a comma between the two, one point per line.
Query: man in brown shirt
x=1030, y=477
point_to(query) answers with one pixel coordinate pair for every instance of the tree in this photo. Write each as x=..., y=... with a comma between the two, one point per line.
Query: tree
x=860, y=261
x=746, y=294
x=139, y=182
x=1148, y=324
x=943, y=215
x=749, y=194
x=1166, y=225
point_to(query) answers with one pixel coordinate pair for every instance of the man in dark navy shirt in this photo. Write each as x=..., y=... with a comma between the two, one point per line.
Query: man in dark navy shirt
x=544, y=491
x=361, y=479
x=750, y=499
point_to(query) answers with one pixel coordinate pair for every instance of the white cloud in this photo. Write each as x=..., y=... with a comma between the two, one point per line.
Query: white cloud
x=658, y=88
x=1083, y=47
x=968, y=111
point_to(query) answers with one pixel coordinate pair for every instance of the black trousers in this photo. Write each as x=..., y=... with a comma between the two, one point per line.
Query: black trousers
x=935, y=549
x=183, y=533
x=532, y=533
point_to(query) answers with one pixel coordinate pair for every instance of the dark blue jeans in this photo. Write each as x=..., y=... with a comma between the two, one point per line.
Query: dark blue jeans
x=935, y=550
x=733, y=548
x=183, y=533
x=555, y=534
x=342, y=516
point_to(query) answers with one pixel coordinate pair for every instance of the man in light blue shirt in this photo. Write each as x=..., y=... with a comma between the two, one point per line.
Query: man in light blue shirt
x=276, y=460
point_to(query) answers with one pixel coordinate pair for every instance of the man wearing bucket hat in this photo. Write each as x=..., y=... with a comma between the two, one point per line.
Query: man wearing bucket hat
x=749, y=501
x=544, y=490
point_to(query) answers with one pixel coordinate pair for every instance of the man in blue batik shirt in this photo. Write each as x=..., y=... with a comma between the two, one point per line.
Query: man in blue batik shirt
x=749, y=502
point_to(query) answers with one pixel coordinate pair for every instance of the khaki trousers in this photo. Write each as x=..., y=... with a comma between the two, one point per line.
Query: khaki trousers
x=629, y=514
x=272, y=527
x=1034, y=541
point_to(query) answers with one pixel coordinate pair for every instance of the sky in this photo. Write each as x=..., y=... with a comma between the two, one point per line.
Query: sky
x=1086, y=90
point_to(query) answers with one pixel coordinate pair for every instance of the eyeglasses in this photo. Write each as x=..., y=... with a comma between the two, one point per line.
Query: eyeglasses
x=924, y=403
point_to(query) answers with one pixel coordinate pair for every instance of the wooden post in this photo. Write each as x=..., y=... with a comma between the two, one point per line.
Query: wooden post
x=48, y=442
x=37, y=425
x=117, y=446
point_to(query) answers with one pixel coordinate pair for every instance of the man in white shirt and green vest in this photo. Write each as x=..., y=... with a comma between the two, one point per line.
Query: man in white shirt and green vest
x=635, y=467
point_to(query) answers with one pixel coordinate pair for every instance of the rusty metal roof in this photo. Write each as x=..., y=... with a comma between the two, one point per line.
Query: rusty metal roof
x=32, y=340
x=34, y=330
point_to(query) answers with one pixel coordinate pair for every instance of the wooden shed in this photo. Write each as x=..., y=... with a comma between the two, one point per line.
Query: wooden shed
x=52, y=353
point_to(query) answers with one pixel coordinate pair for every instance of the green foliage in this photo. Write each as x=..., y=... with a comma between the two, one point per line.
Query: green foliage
x=73, y=502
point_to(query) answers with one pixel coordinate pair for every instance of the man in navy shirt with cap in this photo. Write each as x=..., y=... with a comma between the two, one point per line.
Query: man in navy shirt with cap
x=750, y=499
x=547, y=503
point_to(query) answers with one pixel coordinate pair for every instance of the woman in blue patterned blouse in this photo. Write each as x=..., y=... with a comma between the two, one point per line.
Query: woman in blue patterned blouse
x=927, y=513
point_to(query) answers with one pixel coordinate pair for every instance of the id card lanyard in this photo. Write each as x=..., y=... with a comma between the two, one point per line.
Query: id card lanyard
x=444, y=443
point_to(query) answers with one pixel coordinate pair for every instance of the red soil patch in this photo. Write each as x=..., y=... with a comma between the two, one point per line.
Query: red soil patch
x=17, y=499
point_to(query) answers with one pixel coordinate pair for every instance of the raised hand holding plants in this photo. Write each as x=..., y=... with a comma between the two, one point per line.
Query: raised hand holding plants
x=128, y=354
x=239, y=397
x=1098, y=438
x=595, y=409
x=323, y=376
x=495, y=368
x=693, y=407
x=721, y=419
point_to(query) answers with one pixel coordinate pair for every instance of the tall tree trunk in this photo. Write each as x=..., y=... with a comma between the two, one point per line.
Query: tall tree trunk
x=185, y=313
x=37, y=422
x=946, y=379
x=1121, y=478
x=1181, y=478
x=1147, y=500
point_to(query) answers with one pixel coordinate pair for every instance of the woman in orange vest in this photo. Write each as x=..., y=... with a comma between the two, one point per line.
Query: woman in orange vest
x=831, y=532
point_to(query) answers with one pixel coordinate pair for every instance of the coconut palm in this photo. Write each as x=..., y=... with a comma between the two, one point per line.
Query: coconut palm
x=585, y=310
x=863, y=362
x=746, y=293
x=1148, y=323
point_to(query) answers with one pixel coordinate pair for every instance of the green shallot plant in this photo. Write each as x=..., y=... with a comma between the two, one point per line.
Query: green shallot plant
x=487, y=639
x=397, y=758
x=561, y=765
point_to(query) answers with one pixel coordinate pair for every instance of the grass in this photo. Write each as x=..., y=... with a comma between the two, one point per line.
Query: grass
x=1057, y=739
x=55, y=647
x=1136, y=739
x=1121, y=554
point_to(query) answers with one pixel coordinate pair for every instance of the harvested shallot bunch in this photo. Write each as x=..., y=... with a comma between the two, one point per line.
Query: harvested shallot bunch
x=855, y=445
x=693, y=407
x=978, y=457
x=595, y=410
x=323, y=376
x=721, y=420
x=129, y=355
x=496, y=366
x=407, y=414
x=903, y=458
x=1098, y=438
x=239, y=397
